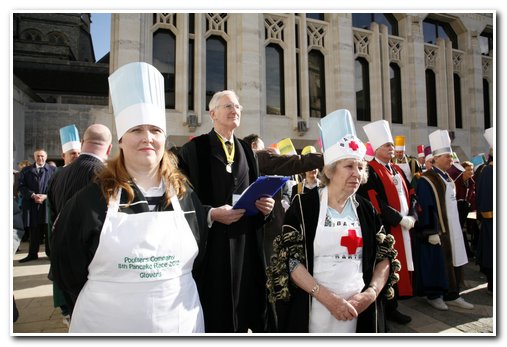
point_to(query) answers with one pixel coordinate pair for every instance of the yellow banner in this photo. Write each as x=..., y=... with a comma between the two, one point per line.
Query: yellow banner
x=286, y=147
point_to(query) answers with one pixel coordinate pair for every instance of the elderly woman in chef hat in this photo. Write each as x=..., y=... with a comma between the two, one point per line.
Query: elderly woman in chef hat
x=126, y=245
x=333, y=262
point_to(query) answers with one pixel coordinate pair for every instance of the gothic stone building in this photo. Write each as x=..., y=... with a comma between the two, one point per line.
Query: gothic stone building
x=419, y=71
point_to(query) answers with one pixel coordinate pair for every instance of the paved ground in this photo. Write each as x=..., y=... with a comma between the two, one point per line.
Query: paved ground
x=33, y=293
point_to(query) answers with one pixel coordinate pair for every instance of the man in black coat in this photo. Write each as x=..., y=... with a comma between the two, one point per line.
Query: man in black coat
x=95, y=148
x=232, y=283
x=33, y=185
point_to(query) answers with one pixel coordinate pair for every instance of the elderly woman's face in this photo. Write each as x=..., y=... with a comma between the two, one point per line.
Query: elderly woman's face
x=347, y=175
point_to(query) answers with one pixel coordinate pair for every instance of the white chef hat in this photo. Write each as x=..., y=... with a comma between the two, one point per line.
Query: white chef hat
x=378, y=133
x=339, y=140
x=440, y=142
x=69, y=136
x=488, y=135
x=137, y=94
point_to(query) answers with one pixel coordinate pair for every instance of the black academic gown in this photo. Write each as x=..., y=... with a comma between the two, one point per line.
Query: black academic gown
x=232, y=282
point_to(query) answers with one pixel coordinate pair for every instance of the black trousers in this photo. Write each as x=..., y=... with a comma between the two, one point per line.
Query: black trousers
x=37, y=232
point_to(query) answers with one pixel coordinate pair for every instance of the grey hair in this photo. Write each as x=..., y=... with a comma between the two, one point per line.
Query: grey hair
x=213, y=103
x=329, y=170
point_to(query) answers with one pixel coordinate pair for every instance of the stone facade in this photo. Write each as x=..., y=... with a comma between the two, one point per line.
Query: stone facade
x=247, y=35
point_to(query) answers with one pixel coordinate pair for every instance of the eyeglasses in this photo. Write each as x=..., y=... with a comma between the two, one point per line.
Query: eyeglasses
x=230, y=107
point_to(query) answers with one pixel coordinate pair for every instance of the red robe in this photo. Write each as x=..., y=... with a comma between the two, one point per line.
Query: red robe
x=382, y=193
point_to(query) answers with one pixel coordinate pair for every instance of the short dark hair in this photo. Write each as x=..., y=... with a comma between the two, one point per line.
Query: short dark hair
x=252, y=138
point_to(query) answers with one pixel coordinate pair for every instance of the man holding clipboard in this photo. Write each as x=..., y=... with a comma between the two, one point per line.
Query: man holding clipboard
x=232, y=282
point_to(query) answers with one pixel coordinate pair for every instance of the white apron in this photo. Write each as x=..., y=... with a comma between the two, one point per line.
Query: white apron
x=397, y=179
x=405, y=167
x=459, y=254
x=140, y=278
x=335, y=268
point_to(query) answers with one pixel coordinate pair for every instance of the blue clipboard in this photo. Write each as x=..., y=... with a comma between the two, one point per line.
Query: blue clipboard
x=263, y=186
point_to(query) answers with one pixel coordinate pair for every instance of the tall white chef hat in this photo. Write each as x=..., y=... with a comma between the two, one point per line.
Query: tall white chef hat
x=137, y=94
x=339, y=140
x=69, y=136
x=378, y=133
x=440, y=142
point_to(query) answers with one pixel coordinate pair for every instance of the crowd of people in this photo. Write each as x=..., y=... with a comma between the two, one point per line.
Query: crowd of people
x=148, y=241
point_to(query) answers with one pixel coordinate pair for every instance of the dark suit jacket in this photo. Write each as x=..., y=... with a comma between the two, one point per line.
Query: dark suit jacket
x=70, y=179
x=232, y=282
x=30, y=182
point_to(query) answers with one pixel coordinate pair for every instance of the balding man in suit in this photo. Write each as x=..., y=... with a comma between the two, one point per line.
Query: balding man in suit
x=33, y=185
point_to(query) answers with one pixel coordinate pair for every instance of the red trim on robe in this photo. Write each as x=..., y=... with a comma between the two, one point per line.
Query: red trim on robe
x=405, y=282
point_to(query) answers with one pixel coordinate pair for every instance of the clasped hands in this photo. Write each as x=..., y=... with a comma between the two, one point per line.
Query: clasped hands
x=225, y=214
x=39, y=198
x=349, y=309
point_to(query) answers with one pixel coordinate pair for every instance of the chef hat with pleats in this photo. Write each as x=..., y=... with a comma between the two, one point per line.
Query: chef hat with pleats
x=137, y=94
x=399, y=143
x=339, y=140
x=378, y=133
x=69, y=136
x=440, y=142
x=488, y=135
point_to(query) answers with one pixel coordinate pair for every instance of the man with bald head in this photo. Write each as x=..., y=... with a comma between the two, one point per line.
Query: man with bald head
x=95, y=148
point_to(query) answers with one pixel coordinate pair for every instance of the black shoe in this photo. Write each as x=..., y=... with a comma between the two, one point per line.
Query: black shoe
x=398, y=317
x=28, y=258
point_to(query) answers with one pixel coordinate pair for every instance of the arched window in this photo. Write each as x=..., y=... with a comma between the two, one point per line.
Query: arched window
x=431, y=98
x=216, y=66
x=457, y=102
x=317, y=84
x=362, y=81
x=487, y=108
x=364, y=20
x=31, y=35
x=164, y=57
x=395, y=83
x=433, y=29
x=57, y=38
x=275, y=89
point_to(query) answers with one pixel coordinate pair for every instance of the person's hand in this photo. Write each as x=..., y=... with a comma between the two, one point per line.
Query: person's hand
x=265, y=205
x=39, y=198
x=407, y=222
x=340, y=308
x=361, y=301
x=434, y=239
x=226, y=214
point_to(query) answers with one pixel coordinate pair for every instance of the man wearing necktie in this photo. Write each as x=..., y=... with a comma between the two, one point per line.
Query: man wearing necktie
x=33, y=184
x=392, y=196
